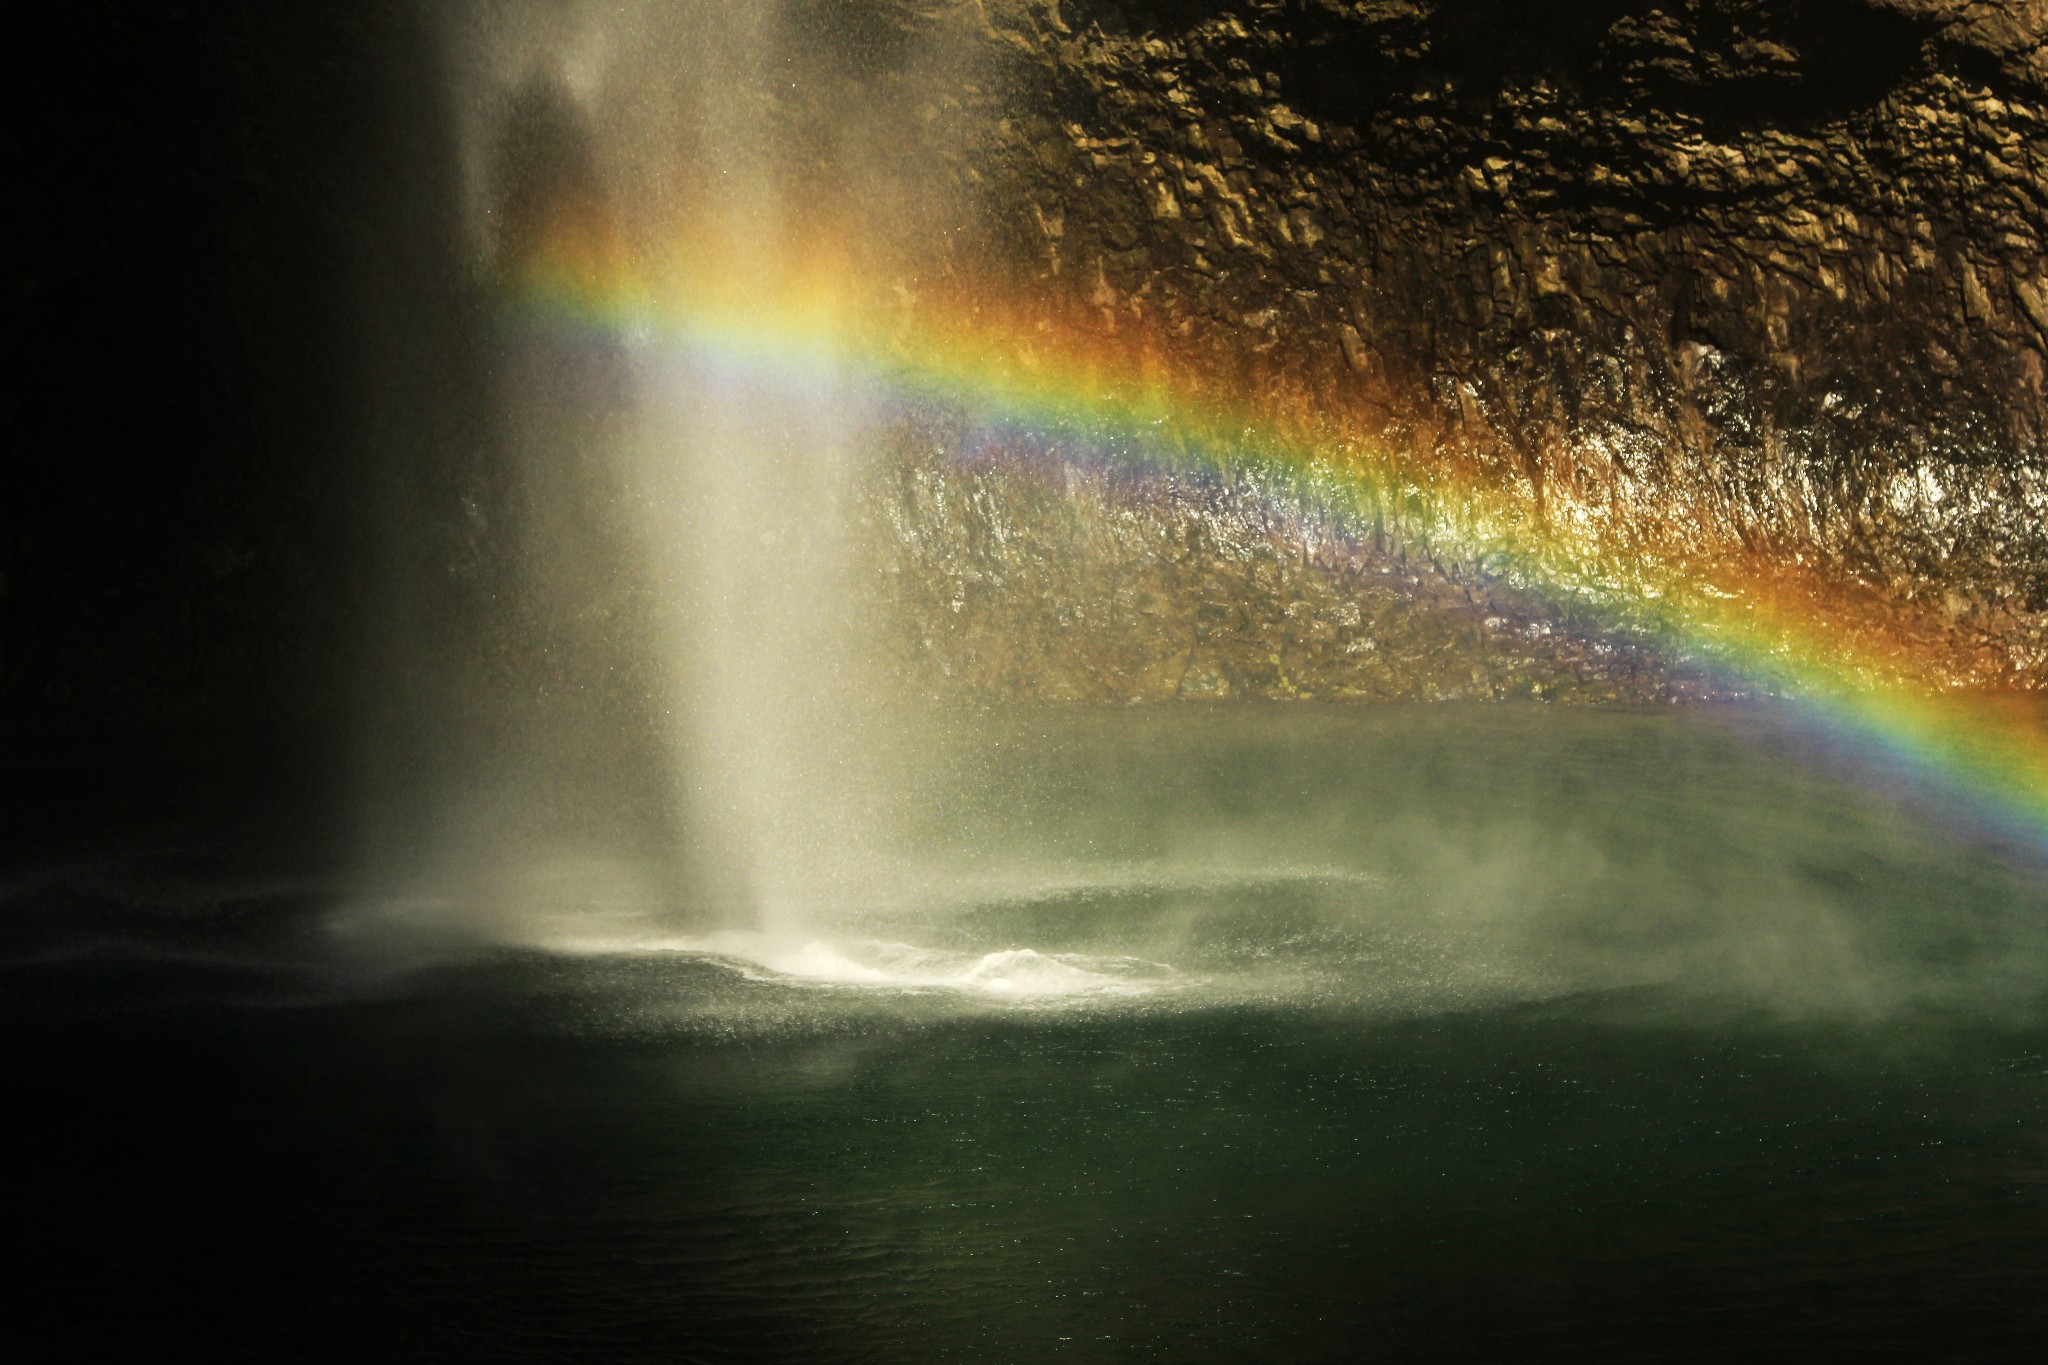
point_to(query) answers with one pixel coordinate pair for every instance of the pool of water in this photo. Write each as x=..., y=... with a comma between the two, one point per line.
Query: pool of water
x=1228, y=1034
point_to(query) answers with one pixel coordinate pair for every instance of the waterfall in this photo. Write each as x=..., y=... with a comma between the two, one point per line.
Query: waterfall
x=632, y=643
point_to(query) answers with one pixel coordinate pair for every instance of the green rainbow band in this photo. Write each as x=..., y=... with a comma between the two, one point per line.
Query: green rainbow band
x=1972, y=747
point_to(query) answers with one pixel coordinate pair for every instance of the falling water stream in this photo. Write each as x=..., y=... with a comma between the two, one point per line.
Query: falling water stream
x=687, y=734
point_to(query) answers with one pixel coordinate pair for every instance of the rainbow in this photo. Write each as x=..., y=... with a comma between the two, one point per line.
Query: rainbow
x=800, y=320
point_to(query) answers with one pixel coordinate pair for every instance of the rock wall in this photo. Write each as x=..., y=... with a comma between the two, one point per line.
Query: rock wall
x=1755, y=285
x=1012, y=571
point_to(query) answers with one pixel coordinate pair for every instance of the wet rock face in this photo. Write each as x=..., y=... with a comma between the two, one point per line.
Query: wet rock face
x=1744, y=282
x=1011, y=571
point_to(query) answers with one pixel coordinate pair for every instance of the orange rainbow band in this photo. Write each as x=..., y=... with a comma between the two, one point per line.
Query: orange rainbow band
x=1005, y=363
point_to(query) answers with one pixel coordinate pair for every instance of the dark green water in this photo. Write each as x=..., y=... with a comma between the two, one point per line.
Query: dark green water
x=1229, y=1035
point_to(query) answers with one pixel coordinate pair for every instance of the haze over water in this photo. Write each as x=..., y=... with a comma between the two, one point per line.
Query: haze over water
x=1188, y=1034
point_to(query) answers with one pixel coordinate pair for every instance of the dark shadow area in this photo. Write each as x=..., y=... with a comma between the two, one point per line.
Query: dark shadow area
x=1731, y=65
x=466, y=1172
x=180, y=511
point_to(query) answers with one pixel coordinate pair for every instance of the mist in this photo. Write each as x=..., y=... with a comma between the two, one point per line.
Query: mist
x=843, y=679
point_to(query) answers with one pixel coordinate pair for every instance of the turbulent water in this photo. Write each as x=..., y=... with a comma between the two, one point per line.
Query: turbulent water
x=1229, y=1033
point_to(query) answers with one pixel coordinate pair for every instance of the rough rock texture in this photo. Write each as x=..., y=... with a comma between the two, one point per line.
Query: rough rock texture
x=1012, y=572
x=1756, y=286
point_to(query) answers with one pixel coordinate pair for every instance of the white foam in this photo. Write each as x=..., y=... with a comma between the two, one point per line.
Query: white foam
x=1008, y=974
x=1024, y=971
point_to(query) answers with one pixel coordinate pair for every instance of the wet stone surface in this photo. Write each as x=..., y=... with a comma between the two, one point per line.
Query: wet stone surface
x=1010, y=571
x=1760, y=283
